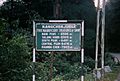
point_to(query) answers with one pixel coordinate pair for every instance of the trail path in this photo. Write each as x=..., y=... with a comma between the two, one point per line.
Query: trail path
x=116, y=56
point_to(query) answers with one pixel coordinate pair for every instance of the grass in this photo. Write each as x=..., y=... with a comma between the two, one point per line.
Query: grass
x=89, y=77
x=111, y=76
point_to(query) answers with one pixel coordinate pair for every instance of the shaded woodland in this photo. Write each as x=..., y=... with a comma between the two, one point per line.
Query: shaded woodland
x=16, y=41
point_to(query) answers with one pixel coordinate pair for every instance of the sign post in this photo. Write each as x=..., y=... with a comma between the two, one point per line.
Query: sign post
x=82, y=51
x=59, y=35
x=34, y=60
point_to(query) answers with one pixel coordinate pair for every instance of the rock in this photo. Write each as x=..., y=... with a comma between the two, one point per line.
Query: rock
x=107, y=69
x=97, y=73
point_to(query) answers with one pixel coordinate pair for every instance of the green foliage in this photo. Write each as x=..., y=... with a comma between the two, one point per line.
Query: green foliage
x=14, y=59
x=68, y=67
x=113, y=25
x=82, y=10
x=89, y=62
x=109, y=60
x=69, y=72
x=16, y=40
x=42, y=71
x=73, y=72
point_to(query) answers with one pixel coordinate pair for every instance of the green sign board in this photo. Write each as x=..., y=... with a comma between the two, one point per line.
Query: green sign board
x=58, y=36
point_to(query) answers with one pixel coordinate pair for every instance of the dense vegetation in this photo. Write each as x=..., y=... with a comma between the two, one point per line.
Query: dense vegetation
x=16, y=40
x=113, y=25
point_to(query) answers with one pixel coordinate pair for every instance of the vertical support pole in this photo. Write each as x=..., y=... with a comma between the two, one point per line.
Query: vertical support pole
x=51, y=66
x=82, y=52
x=33, y=64
x=34, y=60
x=103, y=38
x=97, y=35
x=97, y=38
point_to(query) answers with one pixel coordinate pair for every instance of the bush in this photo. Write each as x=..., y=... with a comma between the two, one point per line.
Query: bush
x=14, y=58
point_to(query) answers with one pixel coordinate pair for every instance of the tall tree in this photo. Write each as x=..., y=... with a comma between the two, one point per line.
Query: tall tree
x=14, y=57
x=23, y=12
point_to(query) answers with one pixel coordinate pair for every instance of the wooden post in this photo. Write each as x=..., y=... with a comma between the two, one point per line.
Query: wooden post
x=103, y=39
x=97, y=37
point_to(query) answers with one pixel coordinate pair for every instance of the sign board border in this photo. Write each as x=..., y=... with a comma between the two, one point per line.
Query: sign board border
x=56, y=21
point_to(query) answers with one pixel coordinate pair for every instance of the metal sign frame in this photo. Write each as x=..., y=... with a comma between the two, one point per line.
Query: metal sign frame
x=59, y=21
x=36, y=23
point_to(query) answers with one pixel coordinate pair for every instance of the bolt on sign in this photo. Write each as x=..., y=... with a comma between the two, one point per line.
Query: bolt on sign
x=58, y=35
